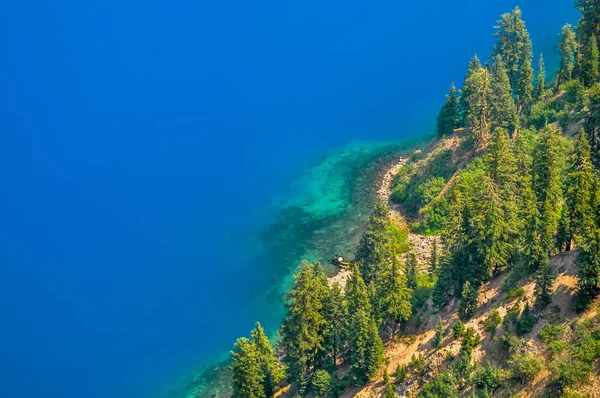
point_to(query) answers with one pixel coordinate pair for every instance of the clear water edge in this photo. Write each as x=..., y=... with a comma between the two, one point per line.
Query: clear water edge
x=322, y=214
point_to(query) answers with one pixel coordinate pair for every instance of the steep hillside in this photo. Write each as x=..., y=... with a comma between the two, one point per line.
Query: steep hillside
x=478, y=272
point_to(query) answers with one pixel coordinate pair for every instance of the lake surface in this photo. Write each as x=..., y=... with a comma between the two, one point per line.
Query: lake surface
x=166, y=163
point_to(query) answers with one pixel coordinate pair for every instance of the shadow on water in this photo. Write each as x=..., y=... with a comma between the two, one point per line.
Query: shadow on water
x=326, y=216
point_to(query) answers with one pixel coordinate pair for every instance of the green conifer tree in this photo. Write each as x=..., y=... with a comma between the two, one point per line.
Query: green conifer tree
x=374, y=248
x=589, y=259
x=470, y=340
x=592, y=125
x=357, y=295
x=563, y=235
x=468, y=89
x=441, y=289
x=502, y=105
x=533, y=249
x=412, y=270
x=390, y=392
x=568, y=49
x=271, y=370
x=540, y=80
x=525, y=85
x=449, y=117
x=548, y=167
x=435, y=257
x=458, y=329
x=397, y=294
x=468, y=302
x=477, y=120
x=386, y=377
x=589, y=274
x=247, y=379
x=589, y=63
x=522, y=180
x=589, y=24
x=514, y=46
x=302, y=331
x=440, y=333
x=580, y=192
x=543, y=283
x=365, y=348
x=336, y=316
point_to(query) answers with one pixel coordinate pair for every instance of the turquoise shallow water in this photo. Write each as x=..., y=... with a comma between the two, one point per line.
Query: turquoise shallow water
x=323, y=213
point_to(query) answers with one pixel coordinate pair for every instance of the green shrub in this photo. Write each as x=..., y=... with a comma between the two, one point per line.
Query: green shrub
x=440, y=164
x=552, y=332
x=570, y=372
x=512, y=343
x=433, y=216
x=511, y=317
x=543, y=112
x=517, y=272
x=404, y=174
x=430, y=189
x=422, y=292
x=587, y=349
x=569, y=393
x=575, y=94
x=515, y=293
x=554, y=337
x=443, y=385
x=488, y=377
x=524, y=367
x=492, y=322
x=415, y=190
x=400, y=237
x=398, y=193
x=526, y=321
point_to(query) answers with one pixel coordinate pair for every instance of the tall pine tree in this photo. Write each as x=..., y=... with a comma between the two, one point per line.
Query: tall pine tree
x=589, y=62
x=568, y=49
x=302, y=330
x=468, y=302
x=248, y=378
x=449, y=117
x=548, y=166
x=412, y=270
x=477, y=93
x=365, y=348
x=514, y=46
x=374, y=248
x=525, y=85
x=336, y=316
x=271, y=370
x=468, y=89
x=543, y=283
x=540, y=80
x=397, y=295
x=592, y=125
x=589, y=24
x=580, y=191
x=502, y=106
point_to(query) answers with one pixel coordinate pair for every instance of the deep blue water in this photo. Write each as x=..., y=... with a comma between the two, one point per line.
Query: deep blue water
x=141, y=143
